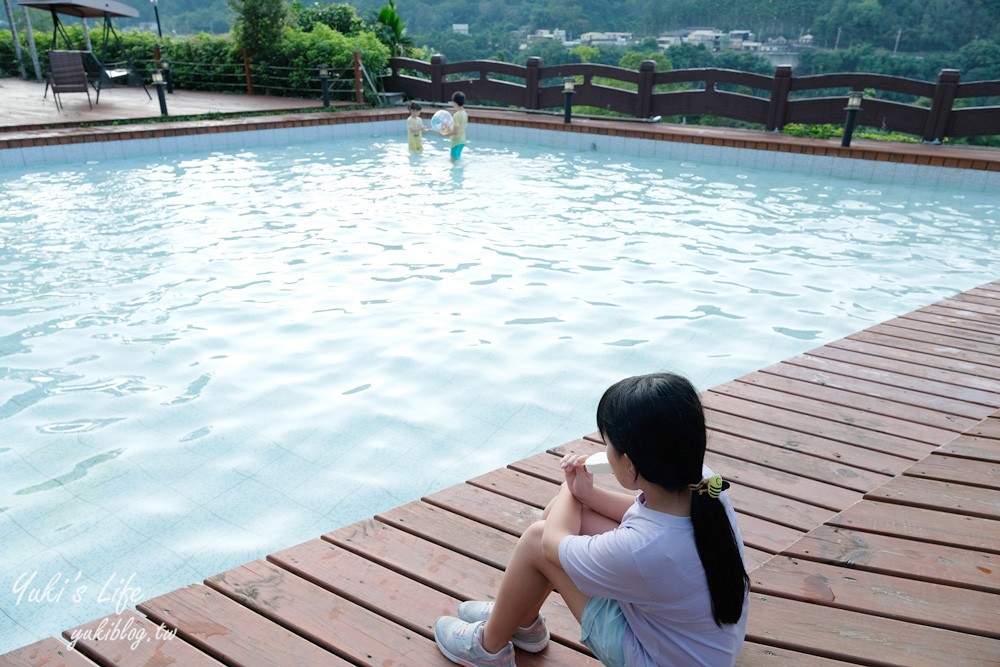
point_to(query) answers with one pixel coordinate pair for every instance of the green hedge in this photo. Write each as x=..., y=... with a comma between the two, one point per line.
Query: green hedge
x=213, y=62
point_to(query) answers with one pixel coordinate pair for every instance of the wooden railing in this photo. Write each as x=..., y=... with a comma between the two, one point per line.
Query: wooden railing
x=771, y=101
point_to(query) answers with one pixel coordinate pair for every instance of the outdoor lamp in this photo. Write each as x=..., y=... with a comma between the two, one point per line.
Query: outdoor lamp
x=158, y=82
x=324, y=80
x=568, y=88
x=853, y=107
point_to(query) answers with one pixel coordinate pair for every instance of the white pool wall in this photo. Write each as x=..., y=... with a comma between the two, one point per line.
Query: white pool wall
x=885, y=172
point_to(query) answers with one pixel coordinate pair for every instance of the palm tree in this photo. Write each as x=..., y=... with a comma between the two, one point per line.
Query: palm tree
x=392, y=30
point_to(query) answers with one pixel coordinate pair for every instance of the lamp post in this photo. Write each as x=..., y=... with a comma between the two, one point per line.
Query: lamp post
x=324, y=80
x=158, y=82
x=568, y=85
x=167, y=76
x=853, y=107
x=156, y=12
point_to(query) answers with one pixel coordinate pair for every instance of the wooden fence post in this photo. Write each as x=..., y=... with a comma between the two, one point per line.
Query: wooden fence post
x=437, y=78
x=532, y=82
x=941, y=104
x=644, y=96
x=777, y=111
x=246, y=72
x=359, y=91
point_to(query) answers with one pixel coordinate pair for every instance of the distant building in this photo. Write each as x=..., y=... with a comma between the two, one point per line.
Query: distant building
x=710, y=39
x=460, y=28
x=557, y=34
x=597, y=38
x=672, y=38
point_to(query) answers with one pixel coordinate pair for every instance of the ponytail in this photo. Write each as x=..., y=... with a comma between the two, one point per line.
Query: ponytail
x=719, y=551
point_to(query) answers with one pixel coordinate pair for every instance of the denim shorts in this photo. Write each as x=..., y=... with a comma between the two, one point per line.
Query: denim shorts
x=602, y=630
x=456, y=151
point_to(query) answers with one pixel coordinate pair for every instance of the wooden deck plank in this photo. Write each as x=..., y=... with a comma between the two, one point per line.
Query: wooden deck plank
x=940, y=495
x=900, y=557
x=891, y=348
x=982, y=336
x=957, y=325
x=879, y=465
x=398, y=596
x=499, y=512
x=919, y=602
x=329, y=620
x=853, y=408
x=892, y=370
x=801, y=464
x=440, y=567
x=980, y=296
x=824, y=417
x=937, y=397
x=464, y=535
x=856, y=637
x=980, y=364
x=761, y=655
x=766, y=535
x=966, y=446
x=988, y=428
x=965, y=471
x=885, y=443
x=517, y=485
x=920, y=524
x=781, y=482
x=954, y=309
x=49, y=652
x=986, y=352
x=116, y=640
x=230, y=632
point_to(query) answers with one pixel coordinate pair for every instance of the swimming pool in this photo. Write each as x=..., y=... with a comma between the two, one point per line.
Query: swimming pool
x=208, y=356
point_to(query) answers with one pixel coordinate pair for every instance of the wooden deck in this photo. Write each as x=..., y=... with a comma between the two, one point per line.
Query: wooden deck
x=867, y=480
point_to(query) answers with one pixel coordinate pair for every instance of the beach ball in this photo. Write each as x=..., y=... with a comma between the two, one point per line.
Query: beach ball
x=442, y=121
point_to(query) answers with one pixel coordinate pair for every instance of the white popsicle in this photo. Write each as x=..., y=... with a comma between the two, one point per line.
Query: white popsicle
x=597, y=464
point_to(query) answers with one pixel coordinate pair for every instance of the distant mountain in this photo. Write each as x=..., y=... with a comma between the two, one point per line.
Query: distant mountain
x=918, y=25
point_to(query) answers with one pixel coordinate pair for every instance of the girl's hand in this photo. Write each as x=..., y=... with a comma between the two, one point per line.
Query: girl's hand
x=578, y=480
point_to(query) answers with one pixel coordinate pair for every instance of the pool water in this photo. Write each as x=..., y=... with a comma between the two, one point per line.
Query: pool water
x=208, y=357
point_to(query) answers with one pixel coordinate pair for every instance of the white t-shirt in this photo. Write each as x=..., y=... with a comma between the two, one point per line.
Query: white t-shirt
x=650, y=565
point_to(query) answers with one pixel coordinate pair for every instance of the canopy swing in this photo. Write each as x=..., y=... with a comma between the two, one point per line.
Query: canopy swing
x=100, y=72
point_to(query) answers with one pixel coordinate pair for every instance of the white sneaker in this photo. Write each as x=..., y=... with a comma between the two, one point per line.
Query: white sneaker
x=531, y=639
x=462, y=643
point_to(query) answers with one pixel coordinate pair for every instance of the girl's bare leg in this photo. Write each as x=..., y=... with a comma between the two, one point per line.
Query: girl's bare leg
x=527, y=582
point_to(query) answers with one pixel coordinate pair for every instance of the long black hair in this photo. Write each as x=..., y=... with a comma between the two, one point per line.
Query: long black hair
x=659, y=422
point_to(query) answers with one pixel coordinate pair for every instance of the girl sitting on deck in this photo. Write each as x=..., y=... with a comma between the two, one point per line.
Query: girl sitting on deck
x=655, y=579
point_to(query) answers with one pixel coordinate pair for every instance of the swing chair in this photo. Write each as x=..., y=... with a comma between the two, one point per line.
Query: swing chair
x=100, y=72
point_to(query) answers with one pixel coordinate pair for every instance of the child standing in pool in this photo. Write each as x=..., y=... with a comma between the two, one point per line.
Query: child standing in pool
x=415, y=128
x=461, y=121
x=655, y=578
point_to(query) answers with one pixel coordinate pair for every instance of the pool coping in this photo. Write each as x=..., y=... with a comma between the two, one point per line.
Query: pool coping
x=972, y=158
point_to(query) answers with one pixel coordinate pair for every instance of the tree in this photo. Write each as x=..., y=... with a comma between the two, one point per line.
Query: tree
x=391, y=29
x=259, y=25
x=979, y=60
x=633, y=59
x=341, y=17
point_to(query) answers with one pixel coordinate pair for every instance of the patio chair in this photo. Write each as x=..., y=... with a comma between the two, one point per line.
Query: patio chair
x=109, y=75
x=66, y=75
